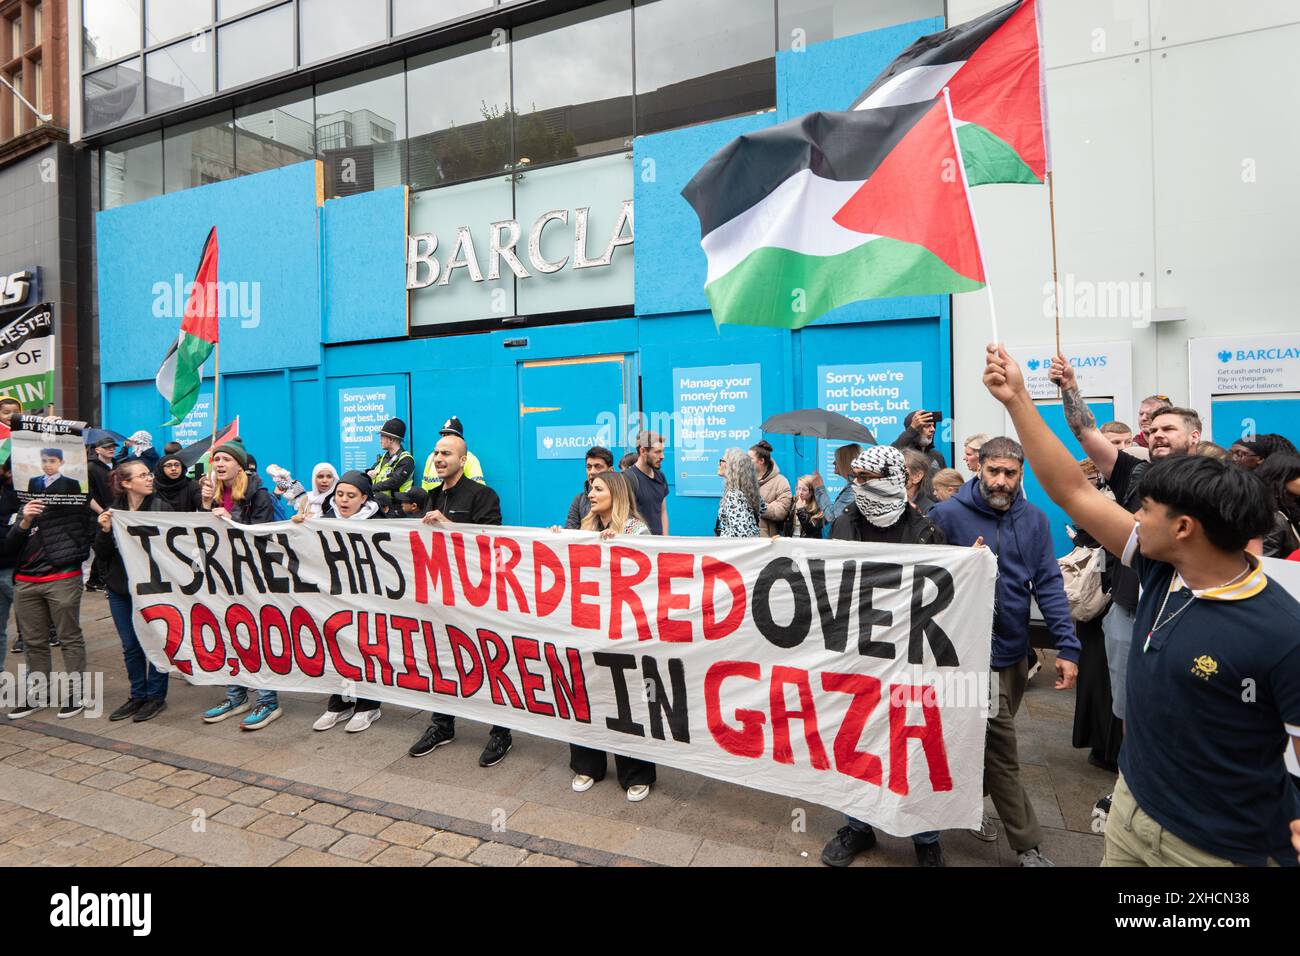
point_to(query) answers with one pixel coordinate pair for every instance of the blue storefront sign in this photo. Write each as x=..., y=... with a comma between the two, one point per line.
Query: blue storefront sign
x=570, y=441
x=716, y=407
x=878, y=396
x=362, y=412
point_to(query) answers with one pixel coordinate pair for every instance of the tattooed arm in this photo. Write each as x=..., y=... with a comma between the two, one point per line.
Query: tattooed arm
x=1081, y=420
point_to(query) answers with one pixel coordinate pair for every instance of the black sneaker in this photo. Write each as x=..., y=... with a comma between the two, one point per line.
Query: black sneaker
x=24, y=711
x=127, y=710
x=19, y=646
x=929, y=854
x=70, y=710
x=498, y=746
x=54, y=642
x=847, y=844
x=150, y=710
x=433, y=738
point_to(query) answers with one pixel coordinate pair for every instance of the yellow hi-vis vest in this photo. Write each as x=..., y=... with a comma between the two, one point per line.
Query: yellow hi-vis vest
x=473, y=471
x=384, y=466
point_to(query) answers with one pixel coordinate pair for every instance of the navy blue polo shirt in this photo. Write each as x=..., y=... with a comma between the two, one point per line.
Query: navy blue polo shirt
x=1213, y=699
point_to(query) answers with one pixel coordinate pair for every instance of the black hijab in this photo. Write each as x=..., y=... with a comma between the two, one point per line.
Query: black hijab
x=177, y=492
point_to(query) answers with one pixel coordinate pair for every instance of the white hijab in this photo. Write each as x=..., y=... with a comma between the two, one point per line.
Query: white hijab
x=316, y=499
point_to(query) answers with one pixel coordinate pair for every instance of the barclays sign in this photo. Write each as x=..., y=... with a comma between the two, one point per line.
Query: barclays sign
x=424, y=269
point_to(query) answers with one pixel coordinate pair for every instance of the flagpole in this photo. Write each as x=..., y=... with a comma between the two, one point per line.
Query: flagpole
x=970, y=206
x=216, y=392
x=1056, y=285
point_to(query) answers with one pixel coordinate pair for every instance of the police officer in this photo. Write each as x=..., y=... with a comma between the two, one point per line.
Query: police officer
x=473, y=470
x=394, y=469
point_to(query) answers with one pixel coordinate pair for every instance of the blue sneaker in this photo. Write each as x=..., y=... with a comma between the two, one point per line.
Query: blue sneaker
x=227, y=708
x=262, y=715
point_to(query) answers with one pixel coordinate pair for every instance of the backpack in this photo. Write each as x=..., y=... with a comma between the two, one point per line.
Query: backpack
x=1081, y=571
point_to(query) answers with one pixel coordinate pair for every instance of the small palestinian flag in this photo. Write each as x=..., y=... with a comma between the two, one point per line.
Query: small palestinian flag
x=993, y=68
x=6, y=443
x=182, y=370
x=832, y=208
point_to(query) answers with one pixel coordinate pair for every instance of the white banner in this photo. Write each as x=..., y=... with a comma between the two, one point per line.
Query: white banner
x=853, y=676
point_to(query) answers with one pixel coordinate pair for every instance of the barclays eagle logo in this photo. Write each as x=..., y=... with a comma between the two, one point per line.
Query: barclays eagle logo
x=1225, y=356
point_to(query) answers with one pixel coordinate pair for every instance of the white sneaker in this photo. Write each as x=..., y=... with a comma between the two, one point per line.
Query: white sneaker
x=987, y=830
x=638, y=792
x=582, y=783
x=328, y=719
x=362, y=720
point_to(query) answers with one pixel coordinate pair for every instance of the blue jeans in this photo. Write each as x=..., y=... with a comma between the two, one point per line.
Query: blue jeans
x=237, y=694
x=6, y=601
x=920, y=839
x=147, y=682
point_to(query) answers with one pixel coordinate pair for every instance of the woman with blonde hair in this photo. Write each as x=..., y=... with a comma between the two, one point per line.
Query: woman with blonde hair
x=806, y=518
x=613, y=512
x=229, y=491
x=741, y=505
x=945, y=483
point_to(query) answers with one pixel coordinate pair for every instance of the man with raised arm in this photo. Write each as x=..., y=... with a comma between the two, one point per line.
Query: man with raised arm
x=1214, y=669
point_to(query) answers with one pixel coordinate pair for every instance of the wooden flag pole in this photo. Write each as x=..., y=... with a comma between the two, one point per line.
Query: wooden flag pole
x=216, y=391
x=1056, y=285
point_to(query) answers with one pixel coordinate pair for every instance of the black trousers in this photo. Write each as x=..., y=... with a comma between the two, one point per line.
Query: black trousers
x=338, y=705
x=449, y=722
x=592, y=763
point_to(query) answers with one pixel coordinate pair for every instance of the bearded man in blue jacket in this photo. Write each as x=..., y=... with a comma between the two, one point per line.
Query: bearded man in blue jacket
x=991, y=508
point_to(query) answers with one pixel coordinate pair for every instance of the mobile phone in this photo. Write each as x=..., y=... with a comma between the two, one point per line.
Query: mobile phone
x=935, y=417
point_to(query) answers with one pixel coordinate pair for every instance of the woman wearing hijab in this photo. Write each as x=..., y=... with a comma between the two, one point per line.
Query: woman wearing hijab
x=172, y=486
x=352, y=499
x=323, y=480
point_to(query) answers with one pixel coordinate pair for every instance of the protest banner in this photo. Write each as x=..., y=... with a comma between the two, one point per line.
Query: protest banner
x=27, y=356
x=49, y=460
x=853, y=676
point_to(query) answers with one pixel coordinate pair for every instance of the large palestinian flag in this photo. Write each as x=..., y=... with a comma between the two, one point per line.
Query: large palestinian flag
x=810, y=215
x=993, y=68
x=182, y=369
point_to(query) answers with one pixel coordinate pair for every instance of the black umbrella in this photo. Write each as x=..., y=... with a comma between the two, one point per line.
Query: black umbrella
x=819, y=423
x=93, y=436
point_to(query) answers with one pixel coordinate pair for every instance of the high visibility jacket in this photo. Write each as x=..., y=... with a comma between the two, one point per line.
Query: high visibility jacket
x=385, y=467
x=473, y=471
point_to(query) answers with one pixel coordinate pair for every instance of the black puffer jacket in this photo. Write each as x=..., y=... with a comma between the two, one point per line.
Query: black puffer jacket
x=106, y=547
x=58, y=540
x=258, y=507
x=1283, y=539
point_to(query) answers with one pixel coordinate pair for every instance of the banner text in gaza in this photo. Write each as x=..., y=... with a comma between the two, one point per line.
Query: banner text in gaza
x=672, y=596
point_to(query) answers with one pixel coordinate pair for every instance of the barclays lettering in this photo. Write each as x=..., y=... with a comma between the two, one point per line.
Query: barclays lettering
x=424, y=269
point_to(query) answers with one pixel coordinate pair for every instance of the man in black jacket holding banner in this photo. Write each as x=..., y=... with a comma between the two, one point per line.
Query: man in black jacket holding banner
x=459, y=500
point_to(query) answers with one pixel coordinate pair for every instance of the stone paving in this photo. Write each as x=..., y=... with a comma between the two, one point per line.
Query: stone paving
x=175, y=792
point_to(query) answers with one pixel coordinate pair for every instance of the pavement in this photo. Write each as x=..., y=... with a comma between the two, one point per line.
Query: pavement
x=176, y=792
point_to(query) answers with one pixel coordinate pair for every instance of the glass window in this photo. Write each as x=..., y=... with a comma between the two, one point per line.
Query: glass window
x=361, y=130
x=573, y=84
x=18, y=110
x=16, y=45
x=113, y=95
x=232, y=8
x=255, y=47
x=179, y=73
x=275, y=132
x=167, y=19
x=331, y=27
x=813, y=21
x=699, y=60
x=109, y=29
x=198, y=153
x=411, y=15
x=36, y=24
x=455, y=138
x=131, y=170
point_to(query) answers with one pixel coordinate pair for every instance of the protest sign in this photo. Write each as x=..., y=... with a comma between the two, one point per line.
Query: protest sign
x=49, y=460
x=849, y=675
x=27, y=356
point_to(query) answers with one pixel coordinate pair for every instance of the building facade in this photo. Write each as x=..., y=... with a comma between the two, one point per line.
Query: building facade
x=469, y=209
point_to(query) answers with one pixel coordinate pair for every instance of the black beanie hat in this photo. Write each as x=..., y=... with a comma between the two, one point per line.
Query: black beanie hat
x=358, y=480
x=394, y=428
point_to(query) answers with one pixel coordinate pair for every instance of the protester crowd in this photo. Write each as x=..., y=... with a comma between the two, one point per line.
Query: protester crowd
x=1200, y=780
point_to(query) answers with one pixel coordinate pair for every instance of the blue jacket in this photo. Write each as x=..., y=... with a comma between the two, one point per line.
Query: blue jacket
x=1022, y=540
